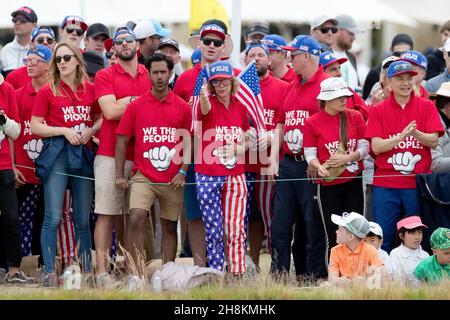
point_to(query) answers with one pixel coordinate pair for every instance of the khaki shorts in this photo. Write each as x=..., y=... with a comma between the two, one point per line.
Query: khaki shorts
x=143, y=196
x=110, y=200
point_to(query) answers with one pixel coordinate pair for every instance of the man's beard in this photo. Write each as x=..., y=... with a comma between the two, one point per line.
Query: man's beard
x=129, y=57
x=262, y=70
x=344, y=45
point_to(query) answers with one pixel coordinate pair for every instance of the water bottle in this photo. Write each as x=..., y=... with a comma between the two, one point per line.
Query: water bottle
x=72, y=278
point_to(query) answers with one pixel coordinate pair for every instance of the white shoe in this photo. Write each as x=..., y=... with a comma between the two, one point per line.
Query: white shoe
x=135, y=283
x=106, y=281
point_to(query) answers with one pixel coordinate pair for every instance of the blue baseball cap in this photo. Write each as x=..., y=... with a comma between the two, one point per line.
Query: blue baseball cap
x=304, y=43
x=123, y=30
x=400, y=67
x=42, y=51
x=275, y=42
x=220, y=69
x=196, y=56
x=42, y=30
x=256, y=44
x=416, y=58
x=328, y=57
x=74, y=20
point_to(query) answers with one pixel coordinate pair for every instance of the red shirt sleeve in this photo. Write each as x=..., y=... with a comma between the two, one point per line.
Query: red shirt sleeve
x=12, y=111
x=374, y=124
x=126, y=124
x=309, y=137
x=41, y=103
x=103, y=84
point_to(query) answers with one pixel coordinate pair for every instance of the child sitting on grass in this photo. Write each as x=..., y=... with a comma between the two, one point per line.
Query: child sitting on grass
x=352, y=258
x=407, y=256
x=436, y=267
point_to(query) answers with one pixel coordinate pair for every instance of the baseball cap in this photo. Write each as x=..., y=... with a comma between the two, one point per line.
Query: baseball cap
x=97, y=29
x=220, y=69
x=258, y=28
x=410, y=223
x=27, y=12
x=275, y=42
x=320, y=20
x=387, y=62
x=416, y=58
x=123, y=30
x=42, y=51
x=93, y=61
x=354, y=222
x=256, y=44
x=402, y=38
x=169, y=42
x=400, y=67
x=73, y=20
x=42, y=30
x=213, y=28
x=444, y=90
x=147, y=28
x=328, y=57
x=347, y=22
x=375, y=228
x=440, y=239
x=333, y=88
x=196, y=56
x=304, y=43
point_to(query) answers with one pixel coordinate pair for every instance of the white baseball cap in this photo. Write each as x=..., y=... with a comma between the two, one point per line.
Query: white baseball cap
x=147, y=28
x=354, y=222
x=333, y=88
x=375, y=228
x=320, y=20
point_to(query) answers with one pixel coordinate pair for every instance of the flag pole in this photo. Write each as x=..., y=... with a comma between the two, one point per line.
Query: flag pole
x=236, y=30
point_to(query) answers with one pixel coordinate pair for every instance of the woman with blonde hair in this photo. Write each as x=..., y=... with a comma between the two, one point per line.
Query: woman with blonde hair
x=63, y=115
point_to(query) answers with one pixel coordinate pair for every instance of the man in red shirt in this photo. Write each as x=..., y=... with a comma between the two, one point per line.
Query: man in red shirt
x=9, y=129
x=42, y=35
x=294, y=201
x=272, y=92
x=279, y=62
x=402, y=130
x=115, y=87
x=156, y=143
x=26, y=149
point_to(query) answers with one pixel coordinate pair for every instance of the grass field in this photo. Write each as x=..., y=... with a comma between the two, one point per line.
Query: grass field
x=261, y=288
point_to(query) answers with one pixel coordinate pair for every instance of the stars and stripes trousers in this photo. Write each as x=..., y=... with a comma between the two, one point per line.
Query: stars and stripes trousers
x=223, y=201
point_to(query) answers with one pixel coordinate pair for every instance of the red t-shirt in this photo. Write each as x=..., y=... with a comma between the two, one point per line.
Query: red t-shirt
x=424, y=92
x=322, y=132
x=290, y=76
x=273, y=91
x=218, y=126
x=300, y=103
x=355, y=102
x=9, y=106
x=67, y=110
x=156, y=126
x=28, y=146
x=18, y=78
x=115, y=81
x=386, y=120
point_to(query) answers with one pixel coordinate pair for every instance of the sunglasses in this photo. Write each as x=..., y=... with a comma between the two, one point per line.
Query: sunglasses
x=120, y=41
x=79, y=32
x=224, y=82
x=31, y=61
x=217, y=43
x=14, y=20
x=327, y=29
x=45, y=39
x=66, y=58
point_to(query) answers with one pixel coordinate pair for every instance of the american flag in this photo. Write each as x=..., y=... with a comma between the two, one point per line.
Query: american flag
x=196, y=97
x=249, y=94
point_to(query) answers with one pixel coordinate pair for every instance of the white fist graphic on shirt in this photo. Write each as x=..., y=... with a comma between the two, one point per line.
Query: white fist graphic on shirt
x=79, y=128
x=404, y=162
x=33, y=148
x=294, y=140
x=229, y=164
x=352, y=167
x=160, y=157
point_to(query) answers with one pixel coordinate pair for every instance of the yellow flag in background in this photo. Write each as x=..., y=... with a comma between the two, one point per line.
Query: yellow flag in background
x=202, y=10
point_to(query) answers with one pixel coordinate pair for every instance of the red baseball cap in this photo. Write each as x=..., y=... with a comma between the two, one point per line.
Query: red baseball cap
x=411, y=222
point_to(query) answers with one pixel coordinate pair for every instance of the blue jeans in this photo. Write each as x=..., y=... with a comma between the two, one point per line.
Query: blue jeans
x=388, y=205
x=54, y=189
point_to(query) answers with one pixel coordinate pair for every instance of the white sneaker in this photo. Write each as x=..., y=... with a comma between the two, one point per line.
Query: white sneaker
x=106, y=281
x=135, y=283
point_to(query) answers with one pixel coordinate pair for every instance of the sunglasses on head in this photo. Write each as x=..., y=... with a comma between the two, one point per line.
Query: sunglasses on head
x=327, y=29
x=79, y=32
x=66, y=58
x=120, y=41
x=23, y=20
x=217, y=43
x=45, y=39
